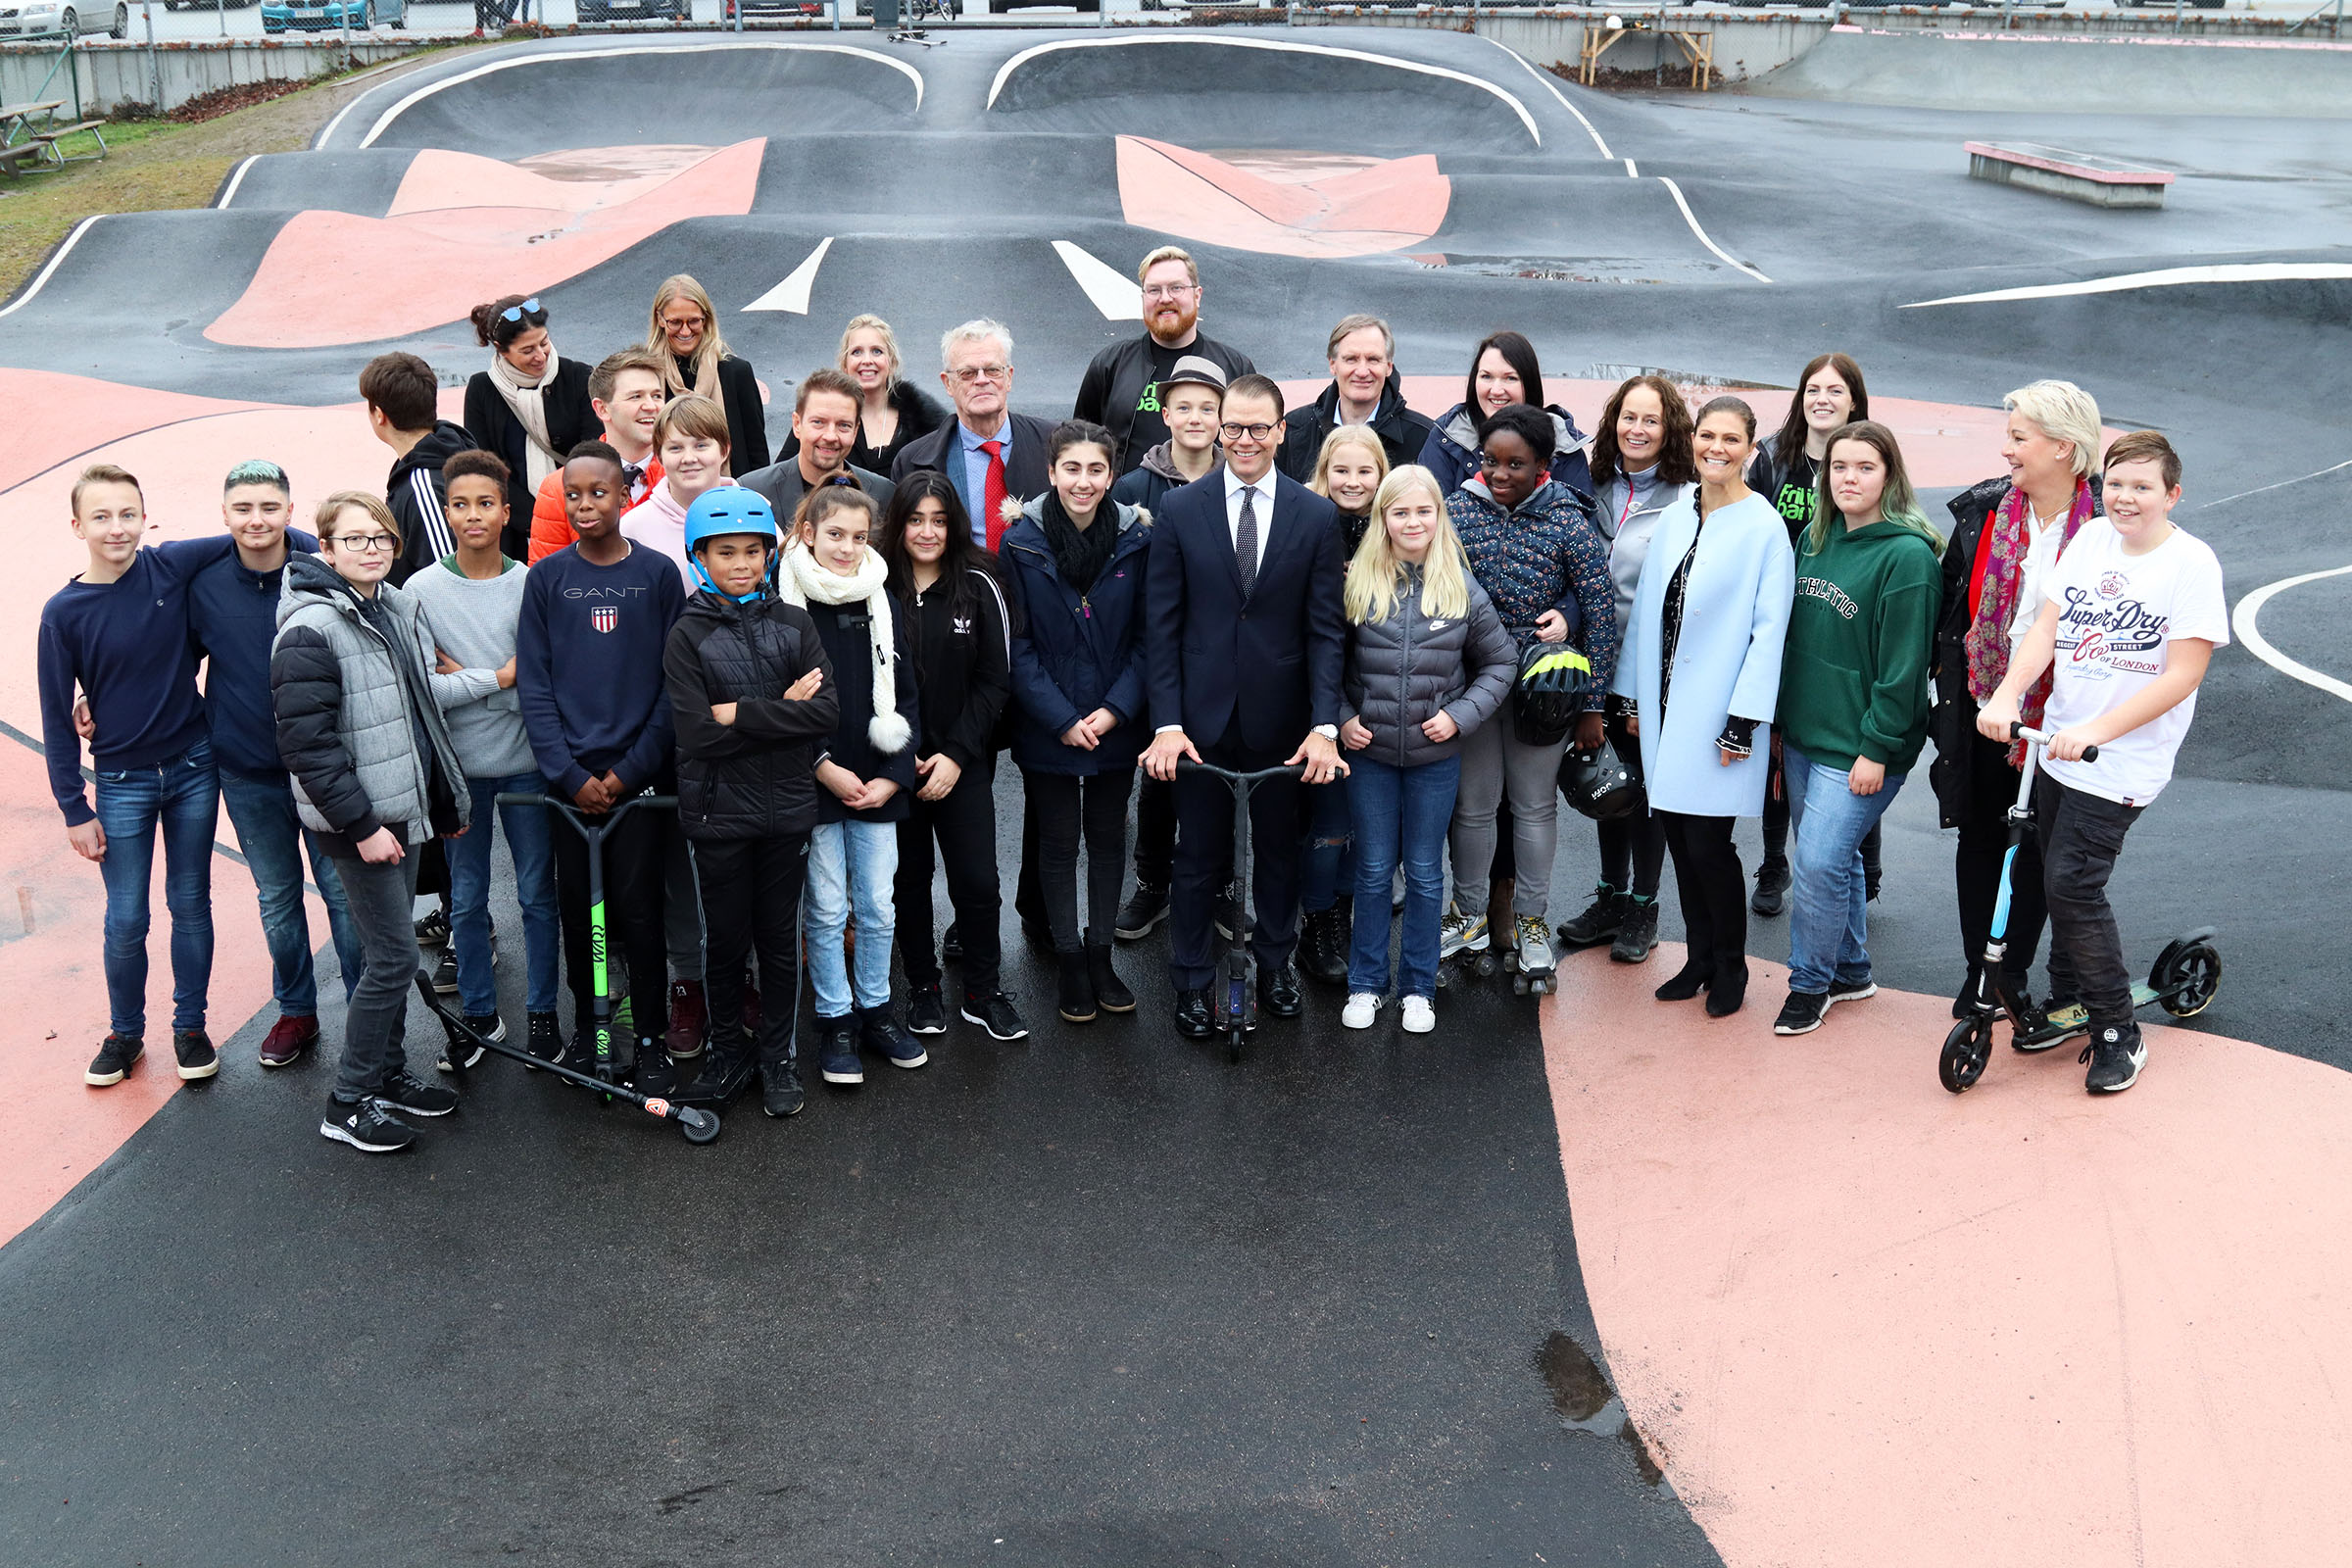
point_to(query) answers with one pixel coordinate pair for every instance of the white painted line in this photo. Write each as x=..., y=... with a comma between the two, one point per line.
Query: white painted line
x=1279, y=45
x=2265, y=489
x=793, y=293
x=55, y=262
x=1552, y=86
x=1677, y=192
x=2164, y=278
x=229, y=192
x=2241, y=621
x=545, y=57
x=1112, y=291
x=328, y=135
x=388, y=68
x=1630, y=172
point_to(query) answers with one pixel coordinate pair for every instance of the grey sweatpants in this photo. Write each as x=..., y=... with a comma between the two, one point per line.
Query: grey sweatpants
x=1494, y=765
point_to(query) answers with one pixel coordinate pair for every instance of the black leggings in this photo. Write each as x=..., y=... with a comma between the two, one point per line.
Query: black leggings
x=1071, y=807
x=965, y=826
x=752, y=900
x=1713, y=890
x=1633, y=849
x=634, y=852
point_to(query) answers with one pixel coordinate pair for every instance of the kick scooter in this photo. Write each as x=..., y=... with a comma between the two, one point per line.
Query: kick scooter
x=2181, y=980
x=1232, y=994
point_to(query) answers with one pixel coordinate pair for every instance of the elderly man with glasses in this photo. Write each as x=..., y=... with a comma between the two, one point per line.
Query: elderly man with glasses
x=994, y=456
x=1121, y=388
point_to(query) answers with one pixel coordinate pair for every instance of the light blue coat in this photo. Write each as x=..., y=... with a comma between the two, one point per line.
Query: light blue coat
x=1727, y=660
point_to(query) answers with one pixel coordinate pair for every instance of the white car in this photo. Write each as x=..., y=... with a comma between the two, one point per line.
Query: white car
x=68, y=18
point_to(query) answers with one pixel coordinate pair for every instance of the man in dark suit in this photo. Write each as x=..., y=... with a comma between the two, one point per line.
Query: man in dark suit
x=989, y=453
x=1245, y=640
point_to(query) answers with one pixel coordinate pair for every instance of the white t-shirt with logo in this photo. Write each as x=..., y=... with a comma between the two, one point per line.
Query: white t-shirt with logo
x=2118, y=615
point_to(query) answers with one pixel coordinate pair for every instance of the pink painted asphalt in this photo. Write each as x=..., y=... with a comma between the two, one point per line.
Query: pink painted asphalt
x=1863, y=1322
x=1376, y=205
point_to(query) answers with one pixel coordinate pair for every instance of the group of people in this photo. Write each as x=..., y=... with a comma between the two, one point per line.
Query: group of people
x=600, y=588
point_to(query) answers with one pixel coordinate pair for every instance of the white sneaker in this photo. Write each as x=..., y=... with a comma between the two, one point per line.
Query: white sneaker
x=1420, y=1015
x=1362, y=1008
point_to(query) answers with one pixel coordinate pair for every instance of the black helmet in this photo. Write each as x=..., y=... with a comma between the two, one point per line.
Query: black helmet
x=1551, y=693
x=1599, y=787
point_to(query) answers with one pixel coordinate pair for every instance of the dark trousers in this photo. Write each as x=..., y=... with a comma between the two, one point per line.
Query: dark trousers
x=1070, y=809
x=752, y=902
x=1713, y=889
x=381, y=900
x=1633, y=849
x=1028, y=892
x=1154, y=831
x=633, y=904
x=2081, y=836
x=1204, y=846
x=1977, y=866
x=964, y=827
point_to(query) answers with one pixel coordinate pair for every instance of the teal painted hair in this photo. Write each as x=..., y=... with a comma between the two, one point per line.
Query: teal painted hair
x=1898, y=502
x=257, y=471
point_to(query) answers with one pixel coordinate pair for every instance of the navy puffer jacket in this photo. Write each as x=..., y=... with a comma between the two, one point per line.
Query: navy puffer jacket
x=1077, y=652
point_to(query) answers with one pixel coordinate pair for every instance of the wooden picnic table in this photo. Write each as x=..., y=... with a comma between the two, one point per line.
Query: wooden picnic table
x=29, y=135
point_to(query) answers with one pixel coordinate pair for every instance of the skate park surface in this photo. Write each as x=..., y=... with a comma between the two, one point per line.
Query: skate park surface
x=1595, y=1282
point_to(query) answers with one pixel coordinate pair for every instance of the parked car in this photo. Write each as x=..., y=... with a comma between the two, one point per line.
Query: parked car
x=635, y=10
x=331, y=15
x=53, y=18
x=209, y=5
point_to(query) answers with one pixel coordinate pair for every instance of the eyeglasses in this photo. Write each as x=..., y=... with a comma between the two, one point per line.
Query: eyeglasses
x=1170, y=291
x=1255, y=432
x=529, y=308
x=968, y=373
x=366, y=543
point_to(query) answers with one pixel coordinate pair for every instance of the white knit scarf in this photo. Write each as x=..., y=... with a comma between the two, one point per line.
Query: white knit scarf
x=804, y=578
x=528, y=401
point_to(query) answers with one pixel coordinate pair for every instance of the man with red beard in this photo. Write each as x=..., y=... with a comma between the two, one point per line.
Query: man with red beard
x=1121, y=388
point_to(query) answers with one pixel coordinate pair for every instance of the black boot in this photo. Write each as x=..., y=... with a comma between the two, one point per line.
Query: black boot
x=1636, y=931
x=1111, y=992
x=1077, y=1001
x=1321, y=952
x=1599, y=921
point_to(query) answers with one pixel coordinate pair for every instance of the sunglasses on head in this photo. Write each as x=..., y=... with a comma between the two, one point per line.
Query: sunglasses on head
x=528, y=307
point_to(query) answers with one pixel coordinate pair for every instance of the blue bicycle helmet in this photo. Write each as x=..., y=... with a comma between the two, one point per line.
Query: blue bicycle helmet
x=723, y=510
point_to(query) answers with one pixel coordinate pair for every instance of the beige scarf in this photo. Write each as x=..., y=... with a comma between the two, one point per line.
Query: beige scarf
x=529, y=402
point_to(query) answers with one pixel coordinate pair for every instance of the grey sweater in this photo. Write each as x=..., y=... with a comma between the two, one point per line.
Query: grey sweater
x=473, y=624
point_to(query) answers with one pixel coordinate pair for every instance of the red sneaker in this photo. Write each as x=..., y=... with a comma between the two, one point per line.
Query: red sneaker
x=287, y=1039
x=688, y=1021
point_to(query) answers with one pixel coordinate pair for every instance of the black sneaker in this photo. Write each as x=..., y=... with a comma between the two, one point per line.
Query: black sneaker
x=544, y=1039
x=1849, y=991
x=116, y=1056
x=445, y=971
x=723, y=1074
x=464, y=1051
x=1772, y=888
x=837, y=1050
x=434, y=930
x=2116, y=1057
x=651, y=1072
x=197, y=1058
x=1801, y=1014
x=1142, y=913
x=368, y=1127
x=580, y=1055
x=404, y=1091
x=951, y=945
x=995, y=1013
x=780, y=1092
x=879, y=1030
x=926, y=1013
x=1599, y=921
x=1636, y=931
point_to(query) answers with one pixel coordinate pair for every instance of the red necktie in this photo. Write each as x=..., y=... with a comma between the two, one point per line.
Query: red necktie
x=993, y=493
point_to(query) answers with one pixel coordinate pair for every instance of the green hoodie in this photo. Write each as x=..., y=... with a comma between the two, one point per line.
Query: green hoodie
x=1854, y=677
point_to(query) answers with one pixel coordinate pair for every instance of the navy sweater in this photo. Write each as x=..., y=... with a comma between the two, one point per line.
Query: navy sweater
x=125, y=643
x=588, y=667
x=232, y=616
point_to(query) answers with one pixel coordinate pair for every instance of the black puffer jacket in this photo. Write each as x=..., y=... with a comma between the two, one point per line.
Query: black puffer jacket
x=756, y=777
x=1403, y=432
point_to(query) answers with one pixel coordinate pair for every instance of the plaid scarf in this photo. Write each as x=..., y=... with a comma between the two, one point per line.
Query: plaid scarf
x=1996, y=607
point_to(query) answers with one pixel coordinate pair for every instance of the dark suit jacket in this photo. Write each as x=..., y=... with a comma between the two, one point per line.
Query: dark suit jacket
x=1024, y=467
x=1274, y=663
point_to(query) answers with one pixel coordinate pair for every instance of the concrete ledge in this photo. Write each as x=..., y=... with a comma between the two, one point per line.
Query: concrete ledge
x=2077, y=176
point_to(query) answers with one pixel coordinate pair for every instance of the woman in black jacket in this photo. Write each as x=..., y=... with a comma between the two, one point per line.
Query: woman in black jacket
x=959, y=625
x=532, y=405
x=684, y=336
x=893, y=411
x=753, y=697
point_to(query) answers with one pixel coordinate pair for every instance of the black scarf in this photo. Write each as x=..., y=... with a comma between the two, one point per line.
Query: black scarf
x=1080, y=554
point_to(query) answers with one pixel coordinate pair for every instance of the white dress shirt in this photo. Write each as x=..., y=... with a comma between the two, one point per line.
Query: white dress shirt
x=1264, y=486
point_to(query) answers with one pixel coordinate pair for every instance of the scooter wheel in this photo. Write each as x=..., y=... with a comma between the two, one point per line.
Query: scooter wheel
x=699, y=1125
x=1964, y=1051
x=2186, y=979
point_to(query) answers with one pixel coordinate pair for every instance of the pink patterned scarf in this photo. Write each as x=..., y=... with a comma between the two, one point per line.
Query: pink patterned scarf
x=1996, y=606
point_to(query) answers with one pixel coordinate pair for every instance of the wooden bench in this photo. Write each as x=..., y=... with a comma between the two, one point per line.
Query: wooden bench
x=2077, y=176
x=50, y=136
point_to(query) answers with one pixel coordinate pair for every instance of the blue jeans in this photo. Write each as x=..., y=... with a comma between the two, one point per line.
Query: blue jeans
x=274, y=841
x=527, y=845
x=182, y=795
x=1399, y=814
x=1327, y=869
x=851, y=864
x=1828, y=910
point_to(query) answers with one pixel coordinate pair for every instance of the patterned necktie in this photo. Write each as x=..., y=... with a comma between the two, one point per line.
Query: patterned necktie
x=1245, y=541
x=992, y=495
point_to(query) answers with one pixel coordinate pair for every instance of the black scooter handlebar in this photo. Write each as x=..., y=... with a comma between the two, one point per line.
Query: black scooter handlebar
x=1185, y=765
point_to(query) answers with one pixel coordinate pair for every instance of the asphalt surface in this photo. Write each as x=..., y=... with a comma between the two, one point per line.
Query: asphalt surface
x=1102, y=1298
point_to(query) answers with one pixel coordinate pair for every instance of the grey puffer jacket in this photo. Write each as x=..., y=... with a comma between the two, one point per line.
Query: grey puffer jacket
x=351, y=703
x=1403, y=670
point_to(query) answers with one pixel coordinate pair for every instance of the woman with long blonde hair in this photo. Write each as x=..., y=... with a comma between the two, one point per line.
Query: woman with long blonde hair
x=684, y=336
x=1429, y=660
x=892, y=411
